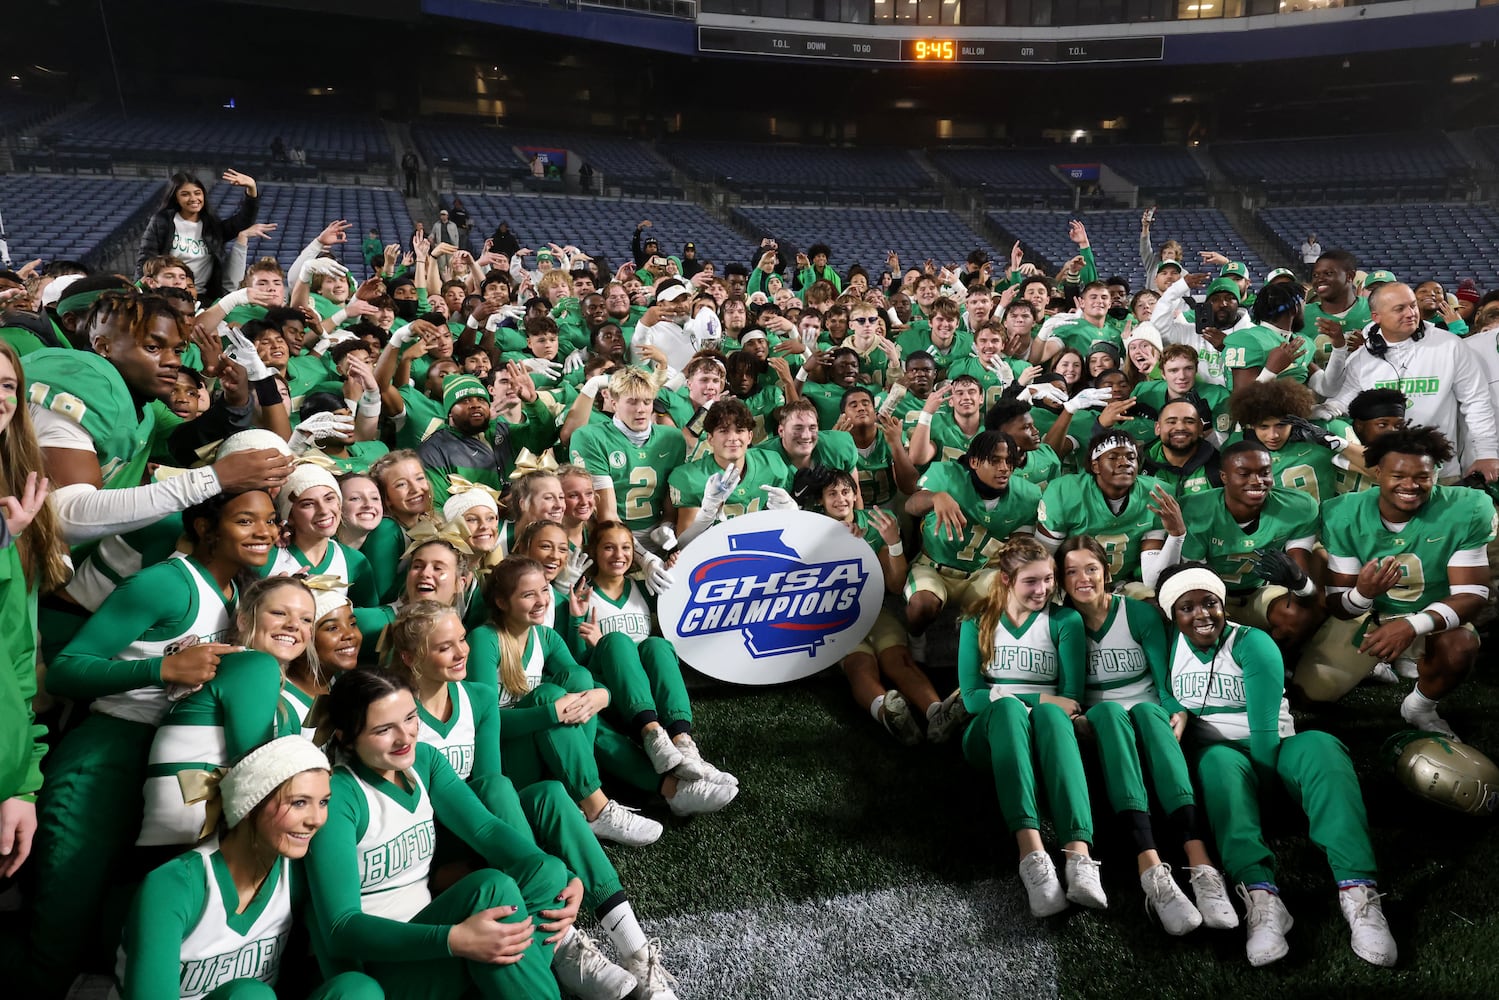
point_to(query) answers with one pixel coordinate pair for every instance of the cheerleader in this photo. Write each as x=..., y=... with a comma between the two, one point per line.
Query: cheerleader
x=311, y=511
x=490, y=934
x=406, y=498
x=235, y=711
x=427, y=644
x=1228, y=695
x=363, y=510
x=334, y=650
x=1020, y=668
x=579, y=505
x=1122, y=705
x=214, y=922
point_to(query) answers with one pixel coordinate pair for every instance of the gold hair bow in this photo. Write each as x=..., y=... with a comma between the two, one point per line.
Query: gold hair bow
x=325, y=582
x=203, y=786
x=318, y=459
x=457, y=484
x=527, y=463
x=450, y=532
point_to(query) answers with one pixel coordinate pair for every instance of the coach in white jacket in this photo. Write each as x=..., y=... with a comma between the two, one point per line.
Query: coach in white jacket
x=1444, y=382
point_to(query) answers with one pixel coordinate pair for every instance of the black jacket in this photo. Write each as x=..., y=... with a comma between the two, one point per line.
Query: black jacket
x=157, y=241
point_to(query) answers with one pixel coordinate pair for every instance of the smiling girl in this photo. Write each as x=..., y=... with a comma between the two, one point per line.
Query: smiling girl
x=311, y=511
x=406, y=497
x=363, y=509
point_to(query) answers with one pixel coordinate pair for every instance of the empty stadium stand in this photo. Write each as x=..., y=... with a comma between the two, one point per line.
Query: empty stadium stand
x=69, y=218
x=300, y=212
x=1442, y=241
x=866, y=235
x=1349, y=170
x=477, y=153
x=804, y=173
x=1008, y=177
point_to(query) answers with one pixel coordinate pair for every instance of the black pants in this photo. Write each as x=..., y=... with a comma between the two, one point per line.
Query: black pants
x=411, y=183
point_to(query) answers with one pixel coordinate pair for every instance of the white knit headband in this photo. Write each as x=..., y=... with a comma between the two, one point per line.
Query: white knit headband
x=1186, y=581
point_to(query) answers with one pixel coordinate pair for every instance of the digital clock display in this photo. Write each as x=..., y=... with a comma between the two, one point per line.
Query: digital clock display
x=934, y=50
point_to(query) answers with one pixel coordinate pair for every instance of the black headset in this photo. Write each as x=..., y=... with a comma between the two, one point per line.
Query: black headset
x=1376, y=345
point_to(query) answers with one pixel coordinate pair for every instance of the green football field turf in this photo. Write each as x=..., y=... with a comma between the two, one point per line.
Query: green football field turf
x=852, y=867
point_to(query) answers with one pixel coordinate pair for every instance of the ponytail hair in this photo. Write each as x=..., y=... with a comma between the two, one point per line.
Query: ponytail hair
x=503, y=581
x=409, y=637
x=1015, y=555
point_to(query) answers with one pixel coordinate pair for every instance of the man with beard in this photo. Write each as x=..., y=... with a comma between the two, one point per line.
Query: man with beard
x=1337, y=309
x=662, y=326
x=1135, y=518
x=1253, y=533
x=1436, y=310
x=1179, y=380
x=1205, y=330
x=1181, y=457
x=464, y=446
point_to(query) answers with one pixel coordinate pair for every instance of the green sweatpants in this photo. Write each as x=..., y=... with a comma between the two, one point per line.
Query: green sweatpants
x=1010, y=742
x=441, y=979
x=574, y=754
x=88, y=816
x=1314, y=769
x=559, y=828
x=643, y=678
x=344, y=986
x=1122, y=733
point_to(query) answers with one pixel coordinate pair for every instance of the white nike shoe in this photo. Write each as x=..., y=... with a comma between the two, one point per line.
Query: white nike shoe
x=1423, y=715
x=1083, y=885
x=624, y=825
x=661, y=750
x=694, y=766
x=1268, y=921
x=583, y=971
x=1211, y=896
x=1371, y=938
x=1166, y=899
x=949, y=719
x=1039, y=874
x=654, y=982
x=696, y=797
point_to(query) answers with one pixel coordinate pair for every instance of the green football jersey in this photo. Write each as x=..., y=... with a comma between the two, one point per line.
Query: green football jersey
x=1453, y=519
x=914, y=340
x=1039, y=467
x=828, y=399
x=1082, y=335
x=638, y=472
x=1074, y=505
x=1304, y=466
x=1356, y=318
x=868, y=531
x=761, y=402
x=876, y=472
x=990, y=522
x=993, y=382
x=947, y=437
x=1249, y=347
x=86, y=389
x=1153, y=395
x=761, y=468
x=833, y=450
x=1214, y=537
x=423, y=416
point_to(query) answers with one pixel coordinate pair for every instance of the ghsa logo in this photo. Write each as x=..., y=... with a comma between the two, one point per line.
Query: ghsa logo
x=765, y=590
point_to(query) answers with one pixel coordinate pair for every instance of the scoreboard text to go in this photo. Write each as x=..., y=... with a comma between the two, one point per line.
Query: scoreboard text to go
x=930, y=51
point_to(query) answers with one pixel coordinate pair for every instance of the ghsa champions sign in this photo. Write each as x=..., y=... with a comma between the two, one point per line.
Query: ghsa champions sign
x=770, y=597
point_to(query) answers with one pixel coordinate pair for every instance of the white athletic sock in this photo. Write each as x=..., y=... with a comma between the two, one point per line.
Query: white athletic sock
x=875, y=706
x=623, y=929
x=1417, y=702
x=562, y=943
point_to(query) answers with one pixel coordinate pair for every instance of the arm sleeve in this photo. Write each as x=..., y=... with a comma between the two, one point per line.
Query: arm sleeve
x=971, y=680
x=236, y=262
x=1072, y=653
x=1090, y=266
x=216, y=423
x=164, y=911
x=382, y=550
x=362, y=589
x=1264, y=685
x=333, y=877
x=484, y=658
x=1481, y=436
x=88, y=513
x=86, y=667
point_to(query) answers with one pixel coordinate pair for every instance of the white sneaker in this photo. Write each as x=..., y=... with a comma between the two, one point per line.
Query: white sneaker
x=1268, y=921
x=694, y=766
x=1165, y=898
x=949, y=719
x=1371, y=936
x=1083, y=886
x=583, y=971
x=1407, y=668
x=1211, y=896
x=1383, y=673
x=898, y=721
x=624, y=825
x=661, y=750
x=655, y=983
x=1424, y=717
x=1039, y=875
x=694, y=797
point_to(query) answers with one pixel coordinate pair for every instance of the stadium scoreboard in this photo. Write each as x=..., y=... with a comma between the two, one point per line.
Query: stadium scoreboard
x=933, y=49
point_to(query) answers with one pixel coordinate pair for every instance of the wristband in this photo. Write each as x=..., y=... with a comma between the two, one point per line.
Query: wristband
x=895, y=550
x=1307, y=589
x=924, y=419
x=1449, y=616
x=801, y=376
x=1266, y=375
x=1422, y=623
x=369, y=404
x=267, y=392
x=338, y=318
x=473, y=322
x=1356, y=602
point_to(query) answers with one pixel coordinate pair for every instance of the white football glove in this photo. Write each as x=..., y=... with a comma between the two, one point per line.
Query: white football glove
x=719, y=488
x=665, y=537
x=575, y=360
x=318, y=426
x=550, y=369
x=326, y=266
x=572, y=571
x=235, y=299
x=1039, y=391
x=658, y=578
x=400, y=338
x=242, y=352
x=592, y=386
x=1089, y=399
x=778, y=499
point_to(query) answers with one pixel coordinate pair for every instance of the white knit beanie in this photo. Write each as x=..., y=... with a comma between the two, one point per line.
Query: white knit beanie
x=304, y=476
x=263, y=770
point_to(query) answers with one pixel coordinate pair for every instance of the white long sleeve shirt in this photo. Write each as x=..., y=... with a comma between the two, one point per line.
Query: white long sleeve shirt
x=1168, y=317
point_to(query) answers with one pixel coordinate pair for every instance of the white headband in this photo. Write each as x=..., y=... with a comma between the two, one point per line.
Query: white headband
x=1186, y=581
x=1109, y=442
x=263, y=770
x=462, y=502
